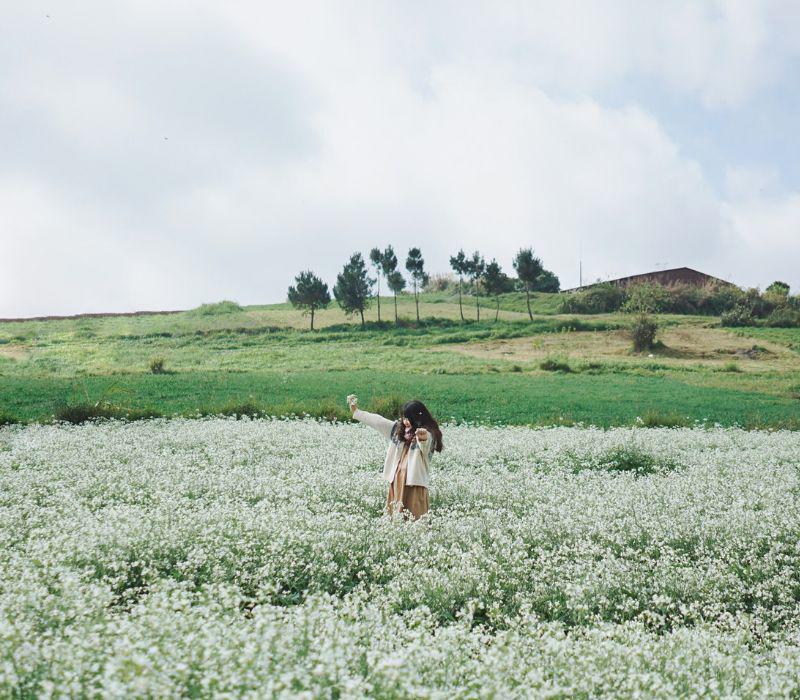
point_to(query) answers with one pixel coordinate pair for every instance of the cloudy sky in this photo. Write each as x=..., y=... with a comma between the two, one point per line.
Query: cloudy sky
x=158, y=154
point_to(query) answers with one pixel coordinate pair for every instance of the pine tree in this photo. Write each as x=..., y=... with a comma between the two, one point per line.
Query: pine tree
x=353, y=287
x=389, y=266
x=528, y=269
x=459, y=265
x=397, y=284
x=476, y=267
x=309, y=294
x=416, y=268
x=376, y=258
x=494, y=279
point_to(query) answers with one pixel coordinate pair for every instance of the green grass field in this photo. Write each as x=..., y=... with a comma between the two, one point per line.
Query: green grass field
x=263, y=358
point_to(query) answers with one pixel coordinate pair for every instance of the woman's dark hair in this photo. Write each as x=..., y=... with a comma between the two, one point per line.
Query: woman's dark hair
x=420, y=417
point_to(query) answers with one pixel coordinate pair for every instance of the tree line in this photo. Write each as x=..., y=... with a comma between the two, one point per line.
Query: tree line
x=354, y=286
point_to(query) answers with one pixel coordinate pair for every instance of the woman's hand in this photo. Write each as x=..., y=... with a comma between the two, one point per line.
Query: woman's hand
x=352, y=401
x=421, y=434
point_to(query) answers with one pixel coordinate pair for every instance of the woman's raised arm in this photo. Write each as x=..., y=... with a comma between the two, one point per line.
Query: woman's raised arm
x=374, y=420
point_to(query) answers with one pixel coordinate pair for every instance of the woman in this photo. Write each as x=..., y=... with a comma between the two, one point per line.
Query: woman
x=412, y=440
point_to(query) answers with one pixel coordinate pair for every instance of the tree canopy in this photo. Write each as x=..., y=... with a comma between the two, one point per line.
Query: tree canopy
x=309, y=293
x=353, y=287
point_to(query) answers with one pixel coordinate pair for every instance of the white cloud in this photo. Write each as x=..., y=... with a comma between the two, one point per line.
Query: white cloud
x=160, y=157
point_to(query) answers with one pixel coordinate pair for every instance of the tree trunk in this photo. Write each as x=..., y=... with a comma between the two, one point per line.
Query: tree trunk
x=361, y=311
x=460, y=308
x=416, y=299
x=497, y=310
x=477, y=300
x=379, y=298
x=528, y=293
x=312, y=318
x=395, y=308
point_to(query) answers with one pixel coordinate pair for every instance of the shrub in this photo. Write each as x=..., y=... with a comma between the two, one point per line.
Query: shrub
x=647, y=298
x=716, y=299
x=731, y=367
x=778, y=288
x=630, y=458
x=784, y=317
x=625, y=458
x=740, y=315
x=657, y=419
x=81, y=412
x=440, y=283
x=760, y=305
x=555, y=365
x=547, y=281
x=157, y=365
x=598, y=299
x=7, y=419
x=643, y=332
x=248, y=408
x=685, y=299
x=217, y=308
x=142, y=413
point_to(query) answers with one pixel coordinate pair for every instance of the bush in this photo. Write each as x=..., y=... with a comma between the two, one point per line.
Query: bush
x=760, y=305
x=685, y=299
x=220, y=307
x=740, y=315
x=555, y=365
x=248, y=408
x=598, y=299
x=778, y=288
x=721, y=298
x=547, y=281
x=711, y=299
x=647, y=298
x=157, y=365
x=77, y=413
x=630, y=459
x=440, y=283
x=7, y=419
x=784, y=317
x=82, y=412
x=643, y=332
x=657, y=419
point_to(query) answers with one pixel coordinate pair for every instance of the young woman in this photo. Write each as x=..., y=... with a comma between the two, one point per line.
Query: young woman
x=412, y=441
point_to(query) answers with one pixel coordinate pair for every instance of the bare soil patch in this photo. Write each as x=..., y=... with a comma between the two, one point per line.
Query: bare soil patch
x=15, y=352
x=711, y=346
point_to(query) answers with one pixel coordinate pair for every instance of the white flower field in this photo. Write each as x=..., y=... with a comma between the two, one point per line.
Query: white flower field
x=250, y=558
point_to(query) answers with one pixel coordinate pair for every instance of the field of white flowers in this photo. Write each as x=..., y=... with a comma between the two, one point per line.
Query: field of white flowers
x=179, y=557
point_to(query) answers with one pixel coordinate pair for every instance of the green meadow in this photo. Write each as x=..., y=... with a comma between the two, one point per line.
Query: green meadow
x=554, y=369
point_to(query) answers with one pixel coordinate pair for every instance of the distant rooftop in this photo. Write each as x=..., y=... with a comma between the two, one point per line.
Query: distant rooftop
x=677, y=275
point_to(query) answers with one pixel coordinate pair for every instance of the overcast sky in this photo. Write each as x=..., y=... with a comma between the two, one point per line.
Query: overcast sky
x=157, y=154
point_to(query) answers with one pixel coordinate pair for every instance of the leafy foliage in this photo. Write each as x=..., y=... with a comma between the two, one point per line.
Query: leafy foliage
x=643, y=332
x=415, y=264
x=218, y=308
x=309, y=293
x=353, y=287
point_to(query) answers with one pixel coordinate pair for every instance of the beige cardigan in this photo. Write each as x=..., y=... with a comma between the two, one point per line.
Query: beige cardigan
x=419, y=453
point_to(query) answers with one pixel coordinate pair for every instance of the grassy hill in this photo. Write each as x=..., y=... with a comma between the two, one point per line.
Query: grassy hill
x=554, y=369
